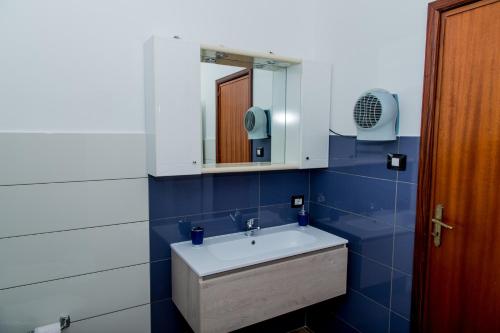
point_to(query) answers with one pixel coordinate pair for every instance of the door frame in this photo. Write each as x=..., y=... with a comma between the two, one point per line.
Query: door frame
x=426, y=160
x=231, y=77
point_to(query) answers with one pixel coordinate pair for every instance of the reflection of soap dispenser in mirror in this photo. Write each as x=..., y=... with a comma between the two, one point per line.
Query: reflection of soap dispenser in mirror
x=303, y=217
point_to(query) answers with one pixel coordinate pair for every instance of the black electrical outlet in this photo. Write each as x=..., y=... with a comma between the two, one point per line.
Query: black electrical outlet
x=259, y=152
x=396, y=162
x=297, y=201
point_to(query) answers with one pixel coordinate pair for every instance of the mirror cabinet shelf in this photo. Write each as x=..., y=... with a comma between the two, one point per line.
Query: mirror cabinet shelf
x=246, y=167
x=213, y=110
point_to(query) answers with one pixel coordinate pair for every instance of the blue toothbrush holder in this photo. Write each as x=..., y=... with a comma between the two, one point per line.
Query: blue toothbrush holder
x=197, y=235
x=303, y=220
x=303, y=217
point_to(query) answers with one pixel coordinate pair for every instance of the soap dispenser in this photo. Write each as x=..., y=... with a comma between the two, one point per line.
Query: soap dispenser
x=303, y=217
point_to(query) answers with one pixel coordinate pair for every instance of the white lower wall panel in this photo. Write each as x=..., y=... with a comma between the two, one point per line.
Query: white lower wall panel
x=28, y=209
x=135, y=320
x=85, y=296
x=43, y=257
x=57, y=157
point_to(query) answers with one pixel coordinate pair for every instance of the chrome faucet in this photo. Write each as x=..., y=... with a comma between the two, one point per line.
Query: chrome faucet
x=252, y=225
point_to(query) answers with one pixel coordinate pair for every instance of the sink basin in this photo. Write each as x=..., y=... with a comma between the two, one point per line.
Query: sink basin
x=232, y=251
x=259, y=245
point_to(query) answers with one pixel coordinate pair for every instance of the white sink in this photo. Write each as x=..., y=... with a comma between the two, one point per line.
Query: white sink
x=267, y=244
x=228, y=252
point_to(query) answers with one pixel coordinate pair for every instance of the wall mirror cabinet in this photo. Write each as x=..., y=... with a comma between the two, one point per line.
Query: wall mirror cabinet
x=213, y=109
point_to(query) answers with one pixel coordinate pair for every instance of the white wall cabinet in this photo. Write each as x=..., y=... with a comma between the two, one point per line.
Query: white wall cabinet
x=308, y=95
x=172, y=97
x=174, y=119
x=315, y=114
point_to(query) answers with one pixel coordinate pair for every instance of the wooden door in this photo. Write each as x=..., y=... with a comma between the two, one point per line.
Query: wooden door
x=457, y=285
x=234, y=98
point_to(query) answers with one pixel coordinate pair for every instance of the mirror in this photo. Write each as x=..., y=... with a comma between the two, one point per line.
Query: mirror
x=243, y=102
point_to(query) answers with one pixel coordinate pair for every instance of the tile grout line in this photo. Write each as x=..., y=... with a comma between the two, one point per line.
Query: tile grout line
x=217, y=212
x=276, y=204
x=380, y=263
x=309, y=194
x=393, y=247
x=74, y=276
x=347, y=323
x=108, y=313
x=360, y=215
x=405, y=182
x=73, y=229
x=161, y=259
x=400, y=315
x=361, y=176
x=202, y=213
x=258, y=208
x=351, y=213
x=379, y=304
x=75, y=181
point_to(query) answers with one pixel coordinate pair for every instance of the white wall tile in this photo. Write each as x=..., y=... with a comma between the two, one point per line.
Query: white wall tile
x=28, y=209
x=85, y=296
x=36, y=258
x=134, y=320
x=57, y=157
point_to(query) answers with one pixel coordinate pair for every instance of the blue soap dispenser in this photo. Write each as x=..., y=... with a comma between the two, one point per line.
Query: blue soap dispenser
x=303, y=217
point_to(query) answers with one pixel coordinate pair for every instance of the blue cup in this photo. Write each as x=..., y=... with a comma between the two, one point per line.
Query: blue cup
x=303, y=219
x=197, y=235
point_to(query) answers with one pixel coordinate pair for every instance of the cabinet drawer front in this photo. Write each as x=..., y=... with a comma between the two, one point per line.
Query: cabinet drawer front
x=245, y=297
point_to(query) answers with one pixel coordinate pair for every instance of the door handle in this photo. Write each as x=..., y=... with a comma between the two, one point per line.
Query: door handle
x=447, y=226
x=438, y=223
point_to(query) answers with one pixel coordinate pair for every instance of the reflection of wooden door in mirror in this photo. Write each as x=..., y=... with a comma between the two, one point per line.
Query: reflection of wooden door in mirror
x=234, y=98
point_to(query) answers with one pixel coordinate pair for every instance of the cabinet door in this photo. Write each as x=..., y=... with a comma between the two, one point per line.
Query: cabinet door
x=315, y=114
x=177, y=113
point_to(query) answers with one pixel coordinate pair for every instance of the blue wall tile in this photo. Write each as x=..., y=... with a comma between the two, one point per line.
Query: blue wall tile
x=399, y=324
x=174, y=196
x=341, y=147
x=161, y=277
x=410, y=146
x=322, y=317
x=406, y=205
x=368, y=237
x=369, y=278
x=163, y=232
x=371, y=238
x=365, y=196
x=274, y=215
x=277, y=187
x=403, y=249
x=365, y=158
x=401, y=293
x=188, y=195
x=363, y=313
x=165, y=318
x=230, y=191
